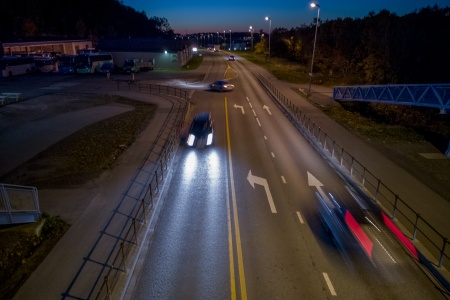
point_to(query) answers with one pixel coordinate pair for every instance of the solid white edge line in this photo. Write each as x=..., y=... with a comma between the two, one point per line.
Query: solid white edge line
x=330, y=285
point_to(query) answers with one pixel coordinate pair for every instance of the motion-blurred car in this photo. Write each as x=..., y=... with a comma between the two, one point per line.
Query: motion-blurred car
x=201, y=132
x=221, y=85
x=231, y=57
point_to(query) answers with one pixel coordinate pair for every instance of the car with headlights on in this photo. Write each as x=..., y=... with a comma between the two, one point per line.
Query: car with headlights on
x=201, y=132
x=221, y=85
x=231, y=57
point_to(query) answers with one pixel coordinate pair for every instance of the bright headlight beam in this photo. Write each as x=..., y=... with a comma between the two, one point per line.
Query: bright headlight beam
x=209, y=139
x=191, y=140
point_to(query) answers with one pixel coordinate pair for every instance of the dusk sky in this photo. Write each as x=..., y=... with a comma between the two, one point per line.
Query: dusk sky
x=194, y=16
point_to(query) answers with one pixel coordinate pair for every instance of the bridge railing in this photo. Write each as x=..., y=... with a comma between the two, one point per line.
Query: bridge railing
x=430, y=95
x=413, y=225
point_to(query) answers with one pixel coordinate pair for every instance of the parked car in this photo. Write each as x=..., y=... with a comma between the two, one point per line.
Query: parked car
x=201, y=132
x=221, y=85
x=107, y=68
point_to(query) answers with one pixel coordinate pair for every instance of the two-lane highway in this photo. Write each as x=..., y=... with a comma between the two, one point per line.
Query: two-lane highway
x=240, y=218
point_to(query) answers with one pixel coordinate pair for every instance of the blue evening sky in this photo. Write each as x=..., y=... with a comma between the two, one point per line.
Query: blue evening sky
x=192, y=16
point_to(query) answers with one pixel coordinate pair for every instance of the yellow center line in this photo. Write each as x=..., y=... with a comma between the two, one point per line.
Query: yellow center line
x=230, y=250
x=242, y=285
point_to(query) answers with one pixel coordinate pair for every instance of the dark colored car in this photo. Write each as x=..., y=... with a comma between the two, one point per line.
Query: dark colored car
x=231, y=57
x=201, y=132
x=221, y=85
x=106, y=68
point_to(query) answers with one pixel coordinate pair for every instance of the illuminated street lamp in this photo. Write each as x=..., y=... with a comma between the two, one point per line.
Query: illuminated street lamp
x=314, y=47
x=251, y=33
x=270, y=26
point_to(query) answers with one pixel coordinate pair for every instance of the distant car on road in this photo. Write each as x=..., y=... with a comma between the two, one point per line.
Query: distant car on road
x=231, y=57
x=221, y=85
x=201, y=132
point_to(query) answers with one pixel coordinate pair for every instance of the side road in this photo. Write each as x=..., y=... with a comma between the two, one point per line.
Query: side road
x=25, y=141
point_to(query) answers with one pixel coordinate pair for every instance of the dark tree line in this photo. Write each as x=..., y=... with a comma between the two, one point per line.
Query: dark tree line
x=28, y=20
x=377, y=49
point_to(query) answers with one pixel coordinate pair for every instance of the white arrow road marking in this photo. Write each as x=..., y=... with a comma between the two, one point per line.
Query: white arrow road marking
x=241, y=107
x=267, y=108
x=252, y=179
x=313, y=181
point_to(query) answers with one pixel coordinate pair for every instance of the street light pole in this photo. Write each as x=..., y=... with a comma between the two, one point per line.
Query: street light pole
x=314, y=47
x=230, y=39
x=251, y=33
x=270, y=29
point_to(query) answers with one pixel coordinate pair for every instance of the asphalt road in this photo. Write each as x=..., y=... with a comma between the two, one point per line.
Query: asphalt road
x=240, y=218
x=217, y=236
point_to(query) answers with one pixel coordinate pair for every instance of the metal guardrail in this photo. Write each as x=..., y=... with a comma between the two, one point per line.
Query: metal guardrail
x=98, y=274
x=151, y=88
x=130, y=238
x=18, y=204
x=430, y=95
x=415, y=226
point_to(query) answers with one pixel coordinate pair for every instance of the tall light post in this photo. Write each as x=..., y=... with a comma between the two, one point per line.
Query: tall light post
x=251, y=34
x=314, y=47
x=230, y=38
x=218, y=42
x=270, y=29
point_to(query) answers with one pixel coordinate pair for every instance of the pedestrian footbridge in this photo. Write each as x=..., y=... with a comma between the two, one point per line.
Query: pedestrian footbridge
x=429, y=95
x=18, y=204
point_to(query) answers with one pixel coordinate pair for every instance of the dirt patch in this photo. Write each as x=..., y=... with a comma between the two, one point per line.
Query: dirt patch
x=22, y=252
x=84, y=155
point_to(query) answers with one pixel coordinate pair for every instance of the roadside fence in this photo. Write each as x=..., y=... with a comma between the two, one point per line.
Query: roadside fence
x=110, y=256
x=415, y=227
